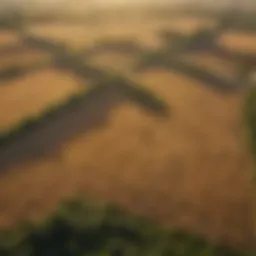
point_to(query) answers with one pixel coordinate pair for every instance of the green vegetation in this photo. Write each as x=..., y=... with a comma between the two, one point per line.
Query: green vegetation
x=29, y=124
x=77, y=229
x=250, y=118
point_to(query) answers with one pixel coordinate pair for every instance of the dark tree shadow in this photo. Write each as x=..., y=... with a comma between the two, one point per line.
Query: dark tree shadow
x=43, y=137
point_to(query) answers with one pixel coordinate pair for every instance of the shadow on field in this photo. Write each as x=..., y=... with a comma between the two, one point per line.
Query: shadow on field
x=91, y=112
x=161, y=60
x=115, y=45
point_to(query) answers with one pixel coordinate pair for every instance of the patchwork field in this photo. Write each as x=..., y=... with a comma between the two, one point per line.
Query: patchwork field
x=240, y=42
x=184, y=171
x=72, y=35
x=32, y=94
x=8, y=38
x=144, y=32
x=189, y=170
x=23, y=58
x=212, y=63
x=108, y=60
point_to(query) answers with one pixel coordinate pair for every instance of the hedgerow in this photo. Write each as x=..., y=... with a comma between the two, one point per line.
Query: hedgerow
x=79, y=229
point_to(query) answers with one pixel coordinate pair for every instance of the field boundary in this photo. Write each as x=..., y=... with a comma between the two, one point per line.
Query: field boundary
x=80, y=105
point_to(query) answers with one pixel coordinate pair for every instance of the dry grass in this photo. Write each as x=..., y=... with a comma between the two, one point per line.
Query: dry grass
x=212, y=63
x=24, y=58
x=144, y=30
x=189, y=25
x=241, y=42
x=113, y=61
x=32, y=94
x=188, y=171
x=72, y=35
x=8, y=38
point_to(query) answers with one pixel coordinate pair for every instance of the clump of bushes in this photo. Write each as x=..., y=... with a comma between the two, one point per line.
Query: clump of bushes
x=77, y=229
x=11, y=72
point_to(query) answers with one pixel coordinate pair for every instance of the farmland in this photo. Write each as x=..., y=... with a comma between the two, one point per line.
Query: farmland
x=22, y=58
x=240, y=42
x=187, y=169
x=8, y=38
x=32, y=94
x=212, y=63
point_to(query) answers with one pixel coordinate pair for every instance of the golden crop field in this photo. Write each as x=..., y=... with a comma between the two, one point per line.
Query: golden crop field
x=190, y=25
x=108, y=60
x=8, y=38
x=26, y=57
x=189, y=171
x=240, y=42
x=32, y=94
x=71, y=35
x=212, y=63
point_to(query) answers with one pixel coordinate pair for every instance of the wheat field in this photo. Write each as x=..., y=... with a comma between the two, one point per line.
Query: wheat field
x=189, y=171
x=212, y=63
x=8, y=38
x=146, y=32
x=23, y=58
x=32, y=94
x=240, y=42
x=108, y=60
